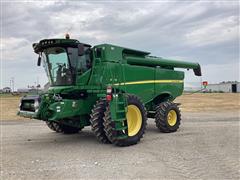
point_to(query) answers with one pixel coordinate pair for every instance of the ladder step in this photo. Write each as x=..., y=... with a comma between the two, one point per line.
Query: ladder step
x=120, y=102
x=122, y=137
x=120, y=119
x=120, y=111
x=121, y=128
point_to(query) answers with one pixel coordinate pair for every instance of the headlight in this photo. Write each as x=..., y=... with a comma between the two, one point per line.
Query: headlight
x=36, y=105
x=20, y=104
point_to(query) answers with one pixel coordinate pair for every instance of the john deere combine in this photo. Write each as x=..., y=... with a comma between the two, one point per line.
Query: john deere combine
x=113, y=89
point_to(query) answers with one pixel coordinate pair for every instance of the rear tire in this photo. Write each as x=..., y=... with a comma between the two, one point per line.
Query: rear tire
x=167, y=117
x=97, y=121
x=137, y=130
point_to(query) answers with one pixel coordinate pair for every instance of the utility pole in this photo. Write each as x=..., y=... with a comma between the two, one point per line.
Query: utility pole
x=12, y=84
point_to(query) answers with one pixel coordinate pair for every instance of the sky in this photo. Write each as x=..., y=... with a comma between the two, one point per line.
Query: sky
x=206, y=32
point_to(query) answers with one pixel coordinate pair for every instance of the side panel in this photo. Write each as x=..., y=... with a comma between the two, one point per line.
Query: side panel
x=104, y=73
x=68, y=108
x=143, y=81
x=168, y=81
x=83, y=78
x=139, y=80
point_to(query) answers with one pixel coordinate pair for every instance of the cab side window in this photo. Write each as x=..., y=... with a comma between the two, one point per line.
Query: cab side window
x=80, y=64
x=84, y=61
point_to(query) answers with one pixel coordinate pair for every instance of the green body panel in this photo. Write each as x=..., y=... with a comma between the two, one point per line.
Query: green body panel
x=135, y=74
x=173, y=89
x=83, y=79
x=126, y=70
x=70, y=108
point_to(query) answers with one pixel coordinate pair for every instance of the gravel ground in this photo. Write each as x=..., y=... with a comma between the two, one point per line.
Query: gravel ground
x=205, y=147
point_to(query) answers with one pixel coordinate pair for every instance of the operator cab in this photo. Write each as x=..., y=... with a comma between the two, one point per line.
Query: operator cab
x=63, y=59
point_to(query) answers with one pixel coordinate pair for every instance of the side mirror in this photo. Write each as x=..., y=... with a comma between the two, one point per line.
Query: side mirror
x=39, y=60
x=98, y=52
x=80, y=49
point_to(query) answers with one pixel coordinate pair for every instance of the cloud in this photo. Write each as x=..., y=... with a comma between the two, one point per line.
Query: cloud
x=219, y=31
x=12, y=42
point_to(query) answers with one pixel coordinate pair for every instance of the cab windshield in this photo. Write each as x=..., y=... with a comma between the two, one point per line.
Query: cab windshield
x=62, y=65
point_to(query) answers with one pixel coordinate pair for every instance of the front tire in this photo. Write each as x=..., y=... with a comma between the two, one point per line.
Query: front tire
x=167, y=117
x=136, y=123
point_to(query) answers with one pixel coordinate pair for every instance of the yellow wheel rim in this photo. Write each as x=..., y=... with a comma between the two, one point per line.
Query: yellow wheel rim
x=134, y=120
x=172, y=117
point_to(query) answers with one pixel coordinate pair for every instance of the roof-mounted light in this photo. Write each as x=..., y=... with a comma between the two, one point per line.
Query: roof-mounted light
x=46, y=42
x=67, y=36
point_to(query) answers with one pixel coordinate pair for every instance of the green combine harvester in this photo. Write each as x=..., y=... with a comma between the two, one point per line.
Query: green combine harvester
x=110, y=88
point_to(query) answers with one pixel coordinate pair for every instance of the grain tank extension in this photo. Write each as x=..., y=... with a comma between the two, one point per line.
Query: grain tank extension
x=110, y=88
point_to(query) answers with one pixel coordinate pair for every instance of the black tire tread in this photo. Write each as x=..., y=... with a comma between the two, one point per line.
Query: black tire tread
x=161, y=114
x=96, y=121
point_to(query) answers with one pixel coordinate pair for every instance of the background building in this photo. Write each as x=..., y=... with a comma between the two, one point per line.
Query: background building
x=23, y=90
x=6, y=90
x=228, y=87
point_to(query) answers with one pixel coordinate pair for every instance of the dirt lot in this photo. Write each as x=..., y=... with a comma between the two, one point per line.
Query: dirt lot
x=9, y=107
x=205, y=147
x=210, y=102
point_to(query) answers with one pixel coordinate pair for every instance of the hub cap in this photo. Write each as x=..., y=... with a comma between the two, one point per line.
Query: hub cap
x=134, y=120
x=172, y=118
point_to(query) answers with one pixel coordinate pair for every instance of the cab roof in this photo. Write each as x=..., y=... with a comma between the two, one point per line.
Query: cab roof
x=45, y=43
